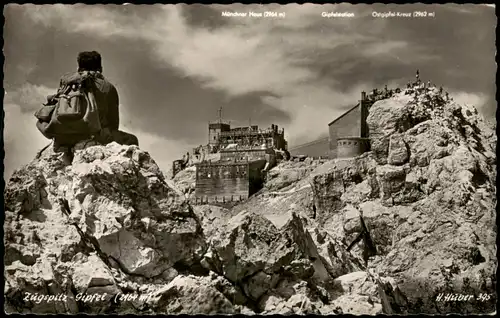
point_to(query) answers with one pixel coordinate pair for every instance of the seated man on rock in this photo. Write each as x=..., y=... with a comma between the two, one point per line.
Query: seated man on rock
x=107, y=102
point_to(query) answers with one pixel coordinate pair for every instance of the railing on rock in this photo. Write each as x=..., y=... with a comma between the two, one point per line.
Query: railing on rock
x=217, y=199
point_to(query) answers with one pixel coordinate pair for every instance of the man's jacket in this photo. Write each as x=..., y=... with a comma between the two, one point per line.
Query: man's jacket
x=107, y=103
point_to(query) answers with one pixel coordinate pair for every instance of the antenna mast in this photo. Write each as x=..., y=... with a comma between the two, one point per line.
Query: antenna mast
x=220, y=115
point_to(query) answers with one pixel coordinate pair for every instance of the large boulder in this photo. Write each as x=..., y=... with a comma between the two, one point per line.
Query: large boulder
x=91, y=275
x=349, y=181
x=398, y=151
x=252, y=253
x=356, y=293
x=384, y=119
x=287, y=173
x=41, y=288
x=186, y=179
x=191, y=295
x=118, y=196
x=292, y=296
x=109, y=212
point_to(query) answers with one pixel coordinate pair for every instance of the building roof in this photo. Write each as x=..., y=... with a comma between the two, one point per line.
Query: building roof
x=218, y=124
x=229, y=162
x=347, y=112
x=317, y=148
x=317, y=141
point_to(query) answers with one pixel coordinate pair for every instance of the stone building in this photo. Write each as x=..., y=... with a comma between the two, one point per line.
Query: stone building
x=215, y=130
x=317, y=148
x=228, y=181
x=221, y=136
x=348, y=134
x=233, y=168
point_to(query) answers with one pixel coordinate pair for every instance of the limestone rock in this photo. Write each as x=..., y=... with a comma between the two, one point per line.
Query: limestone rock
x=398, y=153
x=294, y=297
x=213, y=218
x=335, y=257
x=135, y=216
x=287, y=173
x=25, y=192
x=302, y=268
x=185, y=179
x=231, y=291
x=357, y=305
x=110, y=223
x=357, y=294
x=191, y=295
x=245, y=246
x=348, y=181
x=383, y=120
x=358, y=282
x=258, y=284
x=393, y=186
x=252, y=252
x=28, y=288
x=90, y=274
x=429, y=196
x=108, y=215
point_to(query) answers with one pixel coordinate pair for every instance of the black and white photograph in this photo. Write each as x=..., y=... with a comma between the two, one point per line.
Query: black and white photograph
x=251, y=159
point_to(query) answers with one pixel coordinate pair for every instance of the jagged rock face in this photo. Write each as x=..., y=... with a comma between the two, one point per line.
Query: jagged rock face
x=192, y=295
x=112, y=201
x=252, y=250
x=186, y=179
x=287, y=173
x=426, y=192
x=111, y=224
x=122, y=201
x=356, y=294
x=267, y=264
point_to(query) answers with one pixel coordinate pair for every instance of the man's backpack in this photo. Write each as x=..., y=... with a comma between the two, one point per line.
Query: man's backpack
x=73, y=110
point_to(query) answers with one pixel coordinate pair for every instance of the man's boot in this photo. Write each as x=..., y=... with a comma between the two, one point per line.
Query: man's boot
x=67, y=157
x=65, y=151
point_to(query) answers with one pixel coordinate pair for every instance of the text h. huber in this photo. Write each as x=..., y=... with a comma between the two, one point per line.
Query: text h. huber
x=454, y=297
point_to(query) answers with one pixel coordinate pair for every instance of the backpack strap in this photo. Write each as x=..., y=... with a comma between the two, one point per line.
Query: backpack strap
x=71, y=95
x=39, y=153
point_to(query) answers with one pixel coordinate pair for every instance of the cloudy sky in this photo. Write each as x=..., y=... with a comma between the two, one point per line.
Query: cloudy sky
x=175, y=65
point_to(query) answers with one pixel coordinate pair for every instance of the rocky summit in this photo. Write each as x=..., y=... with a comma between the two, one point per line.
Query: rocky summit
x=408, y=227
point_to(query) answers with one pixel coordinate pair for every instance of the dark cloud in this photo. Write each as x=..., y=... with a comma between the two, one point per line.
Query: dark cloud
x=203, y=16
